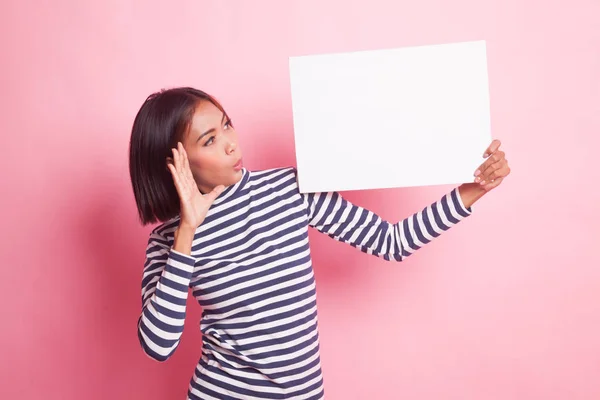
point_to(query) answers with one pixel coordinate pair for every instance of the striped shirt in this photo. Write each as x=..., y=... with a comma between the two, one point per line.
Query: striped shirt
x=251, y=272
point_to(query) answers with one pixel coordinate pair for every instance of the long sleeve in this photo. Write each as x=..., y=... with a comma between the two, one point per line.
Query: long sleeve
x=336, y=217
x=165, y=282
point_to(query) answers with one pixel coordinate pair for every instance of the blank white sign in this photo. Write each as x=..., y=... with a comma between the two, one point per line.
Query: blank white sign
x=404, y=117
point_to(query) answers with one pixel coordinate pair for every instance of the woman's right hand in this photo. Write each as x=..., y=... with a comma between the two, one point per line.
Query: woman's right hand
x=193, y=204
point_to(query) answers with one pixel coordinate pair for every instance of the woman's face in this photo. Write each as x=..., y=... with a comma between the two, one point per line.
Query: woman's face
x=212, y=148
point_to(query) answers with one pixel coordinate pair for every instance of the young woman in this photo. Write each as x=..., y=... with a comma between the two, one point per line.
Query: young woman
x=239, y=240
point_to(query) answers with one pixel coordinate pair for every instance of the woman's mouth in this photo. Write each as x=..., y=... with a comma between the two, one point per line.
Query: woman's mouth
x=238, y=165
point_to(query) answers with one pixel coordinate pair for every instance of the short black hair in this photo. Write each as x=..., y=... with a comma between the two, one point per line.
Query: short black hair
x=162, y=121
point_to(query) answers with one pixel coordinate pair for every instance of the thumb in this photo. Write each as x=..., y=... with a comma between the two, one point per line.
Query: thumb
x=213, y=194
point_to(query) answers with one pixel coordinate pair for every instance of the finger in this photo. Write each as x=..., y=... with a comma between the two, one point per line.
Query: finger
x=186, y=165
x=213, y=194
x=494, y=158
x=493, y=184
x=500, y=173
x=184, y=158
x=492, y=172
x=169, y=161
x=494, y=146
x=180, y=151
x=176, y=159
x=175, y=176
x=179, y=180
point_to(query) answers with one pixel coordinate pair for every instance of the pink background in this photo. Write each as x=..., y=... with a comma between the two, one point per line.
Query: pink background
x=506, y=306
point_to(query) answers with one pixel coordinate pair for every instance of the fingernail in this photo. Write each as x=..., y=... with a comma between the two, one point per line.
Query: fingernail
x=477, y=179
x=482, y=183
x=477, y=172
x=486, y=155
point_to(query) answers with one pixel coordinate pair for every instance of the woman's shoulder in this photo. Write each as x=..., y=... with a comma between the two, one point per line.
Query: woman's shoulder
x=257, y=174
x=165, y=231
x=267, y=182
x=273, y=176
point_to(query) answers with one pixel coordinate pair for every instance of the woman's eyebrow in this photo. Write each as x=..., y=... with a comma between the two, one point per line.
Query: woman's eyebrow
x=211, y=130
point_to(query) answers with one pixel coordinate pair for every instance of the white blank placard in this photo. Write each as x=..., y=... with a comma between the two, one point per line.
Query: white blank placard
x=404, y=117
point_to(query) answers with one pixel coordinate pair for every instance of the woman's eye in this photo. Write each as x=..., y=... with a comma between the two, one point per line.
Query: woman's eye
x=227, y=125
x=209, y=141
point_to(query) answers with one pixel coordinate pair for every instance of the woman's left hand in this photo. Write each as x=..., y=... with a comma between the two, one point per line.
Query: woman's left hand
x=493, y=171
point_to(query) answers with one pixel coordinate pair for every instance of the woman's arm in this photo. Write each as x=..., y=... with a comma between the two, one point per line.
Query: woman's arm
x=167, y=274
x=168, y=270
x=333, y=215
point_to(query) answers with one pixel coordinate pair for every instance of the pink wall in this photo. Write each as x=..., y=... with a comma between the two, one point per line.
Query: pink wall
x=506, y=306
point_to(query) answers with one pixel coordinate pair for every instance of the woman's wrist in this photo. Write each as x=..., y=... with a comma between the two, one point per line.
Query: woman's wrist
x=470, y=193
x=183, y=238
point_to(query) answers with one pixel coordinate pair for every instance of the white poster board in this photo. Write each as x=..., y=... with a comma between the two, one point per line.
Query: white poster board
x=404, y=117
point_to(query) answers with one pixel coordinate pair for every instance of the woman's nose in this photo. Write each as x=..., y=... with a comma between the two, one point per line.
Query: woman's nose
x=231, y=146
